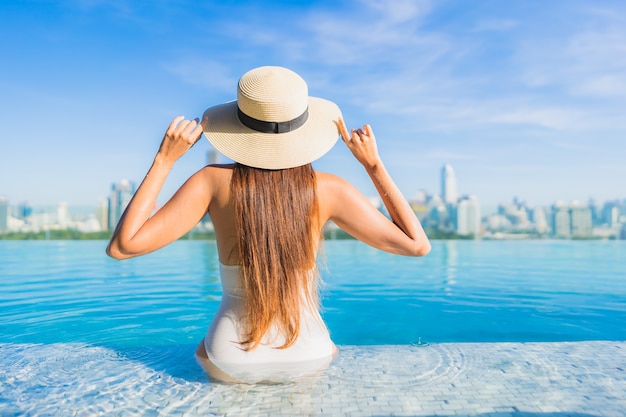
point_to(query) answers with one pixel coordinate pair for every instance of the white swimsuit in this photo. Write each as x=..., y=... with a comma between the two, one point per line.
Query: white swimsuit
x=312, y=350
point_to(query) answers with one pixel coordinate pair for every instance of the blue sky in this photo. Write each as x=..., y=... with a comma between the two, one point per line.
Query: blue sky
x=524, y=99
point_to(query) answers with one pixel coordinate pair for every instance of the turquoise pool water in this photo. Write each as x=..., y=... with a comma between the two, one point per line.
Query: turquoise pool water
x=464, y=291
x=81, y=334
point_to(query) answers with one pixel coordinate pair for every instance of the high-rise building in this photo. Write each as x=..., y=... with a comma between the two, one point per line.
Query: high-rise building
x=102, y=214
x=121, y=193
x=448, y=185
x=468, y=216
x=539, y=220
x=23, y=211
x=596, y=213
x=581, y=221
x=4, y=214
x=516, y=212
x=573, y=220
x=63, y=215
x=561, y=220
x=611, y=213
x=213, y=156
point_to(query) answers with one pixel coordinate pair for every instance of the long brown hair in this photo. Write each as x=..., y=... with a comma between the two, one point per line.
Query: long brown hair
x=277, y=219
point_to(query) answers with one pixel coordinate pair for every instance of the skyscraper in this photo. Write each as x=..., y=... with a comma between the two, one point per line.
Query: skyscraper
x=4, y=214
x=24, y=210
x=121, y=193
x=63, y=215
x=540, y=220
x=468, y=217
x=561, y=220
x=102, y=214
x=213, y=156
x=581, y=221
x=611, y=213
x=573, y=220
x=448, y=185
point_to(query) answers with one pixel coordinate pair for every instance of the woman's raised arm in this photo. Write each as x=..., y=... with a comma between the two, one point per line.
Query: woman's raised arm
x=352, y=212
x=138, y=232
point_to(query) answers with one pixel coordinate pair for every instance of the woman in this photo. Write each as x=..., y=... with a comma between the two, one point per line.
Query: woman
x=268, y=210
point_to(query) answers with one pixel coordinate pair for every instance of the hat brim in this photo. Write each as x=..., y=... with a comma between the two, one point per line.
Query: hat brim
x=304, y=145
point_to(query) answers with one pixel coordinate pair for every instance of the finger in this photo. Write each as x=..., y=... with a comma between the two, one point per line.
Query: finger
x=189, y=126
x=183, y=126
x=196, y=133
x=369, y=131
x=356, y=135
x=174, y=123
x=343, y=130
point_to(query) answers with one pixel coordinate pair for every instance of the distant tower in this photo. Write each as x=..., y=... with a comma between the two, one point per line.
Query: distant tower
x=610, y=213
x=571, y=221
x=448, y=185
x=581, y=219
x=213, y=156
x=561, y=220
x=121, y=193
x=468, y=216
x=540, y=220
x=4, y=214
x=102, y=214
x=24, y=210
x=63, y=215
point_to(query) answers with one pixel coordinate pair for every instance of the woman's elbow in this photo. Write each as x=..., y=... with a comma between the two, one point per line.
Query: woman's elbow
x=421, y=248
x=114, y=251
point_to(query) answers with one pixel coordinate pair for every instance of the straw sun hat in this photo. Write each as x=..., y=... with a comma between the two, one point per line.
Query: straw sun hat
x=274, y=124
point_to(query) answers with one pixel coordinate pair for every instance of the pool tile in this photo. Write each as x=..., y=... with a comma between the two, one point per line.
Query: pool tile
x=480, y=379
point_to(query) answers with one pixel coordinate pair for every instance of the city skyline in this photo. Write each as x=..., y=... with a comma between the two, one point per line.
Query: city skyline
x=487, y=208
x=523, y=100
x=446, y=214
x=121, y=190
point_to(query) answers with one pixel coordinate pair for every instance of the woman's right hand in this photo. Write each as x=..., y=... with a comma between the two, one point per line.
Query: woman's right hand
x=362, y=144
x=180, y=136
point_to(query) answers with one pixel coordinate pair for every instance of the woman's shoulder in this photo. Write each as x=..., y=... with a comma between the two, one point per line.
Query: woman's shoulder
x=333, y=191
x=210, y=178
x=330, y=182
x=216, y=171
x=326, y=178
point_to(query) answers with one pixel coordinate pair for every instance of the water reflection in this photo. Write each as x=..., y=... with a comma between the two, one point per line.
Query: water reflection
x=449, y=262
x=208, y=256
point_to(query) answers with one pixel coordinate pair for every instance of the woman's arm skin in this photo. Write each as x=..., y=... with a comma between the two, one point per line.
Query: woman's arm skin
x=351, y=211
x=137, y=232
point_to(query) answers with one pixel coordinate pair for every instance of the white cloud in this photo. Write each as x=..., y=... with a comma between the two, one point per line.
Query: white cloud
x=590, y=62
x=608, y=86
x=551, y=118
x=488, y=88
